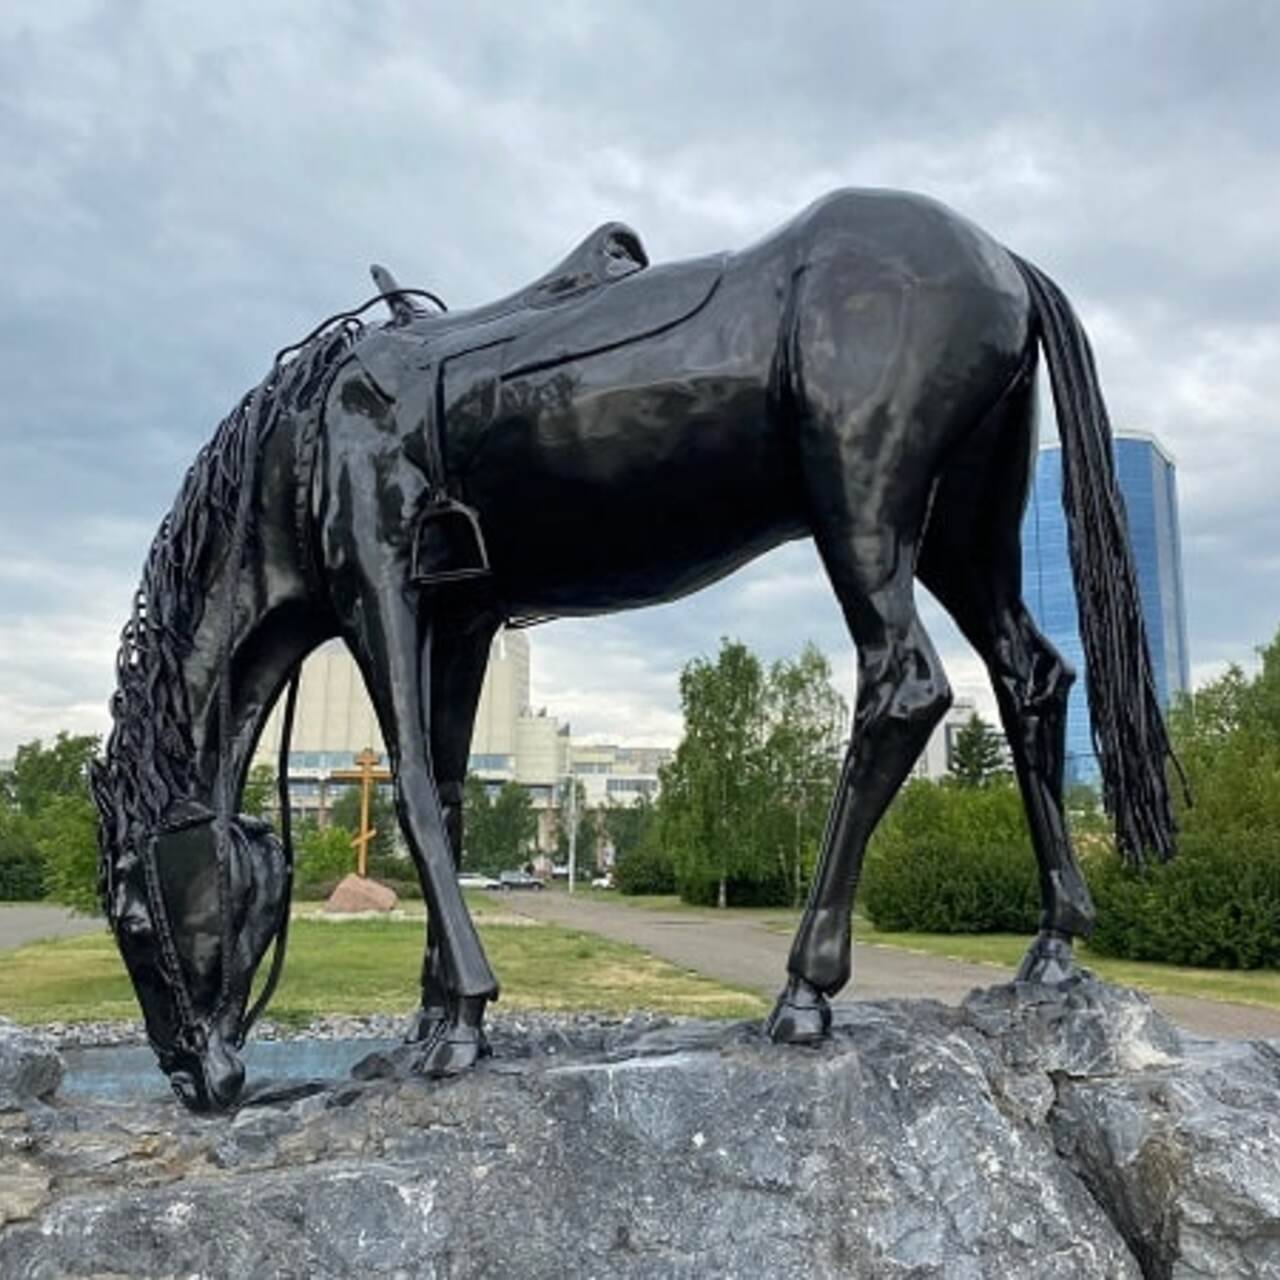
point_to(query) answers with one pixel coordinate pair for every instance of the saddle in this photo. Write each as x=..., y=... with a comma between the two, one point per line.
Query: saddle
x=445, y=370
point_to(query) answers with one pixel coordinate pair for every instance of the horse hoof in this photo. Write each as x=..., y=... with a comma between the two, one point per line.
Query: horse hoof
x=800, y=1016
x=452, y=1040
x=425, y=1024
x=454, y=1050
x=1049, y=960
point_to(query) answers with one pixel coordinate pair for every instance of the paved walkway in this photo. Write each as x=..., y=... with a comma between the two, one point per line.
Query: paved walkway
x=746, y=954
x=21, y=923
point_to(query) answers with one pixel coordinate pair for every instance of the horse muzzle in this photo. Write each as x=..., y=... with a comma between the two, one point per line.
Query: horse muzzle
x=208, y=1082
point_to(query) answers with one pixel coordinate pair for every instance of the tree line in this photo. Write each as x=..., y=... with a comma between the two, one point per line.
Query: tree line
x=742, y=806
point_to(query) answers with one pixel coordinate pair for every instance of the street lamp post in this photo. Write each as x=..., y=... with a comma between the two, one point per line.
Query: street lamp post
x=573, y=832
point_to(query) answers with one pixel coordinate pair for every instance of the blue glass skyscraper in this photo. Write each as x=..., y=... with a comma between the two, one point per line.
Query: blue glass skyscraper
x=1148, y=481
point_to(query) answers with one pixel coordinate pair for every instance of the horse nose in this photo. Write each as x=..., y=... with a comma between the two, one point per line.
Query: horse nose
x=223, y=1075
x=213, y=1082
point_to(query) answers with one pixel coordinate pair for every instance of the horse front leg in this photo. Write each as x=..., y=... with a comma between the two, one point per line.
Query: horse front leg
x=459, y=656
x=393, y=638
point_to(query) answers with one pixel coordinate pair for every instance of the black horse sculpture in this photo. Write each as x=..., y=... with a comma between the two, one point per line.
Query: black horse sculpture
x=612, y=436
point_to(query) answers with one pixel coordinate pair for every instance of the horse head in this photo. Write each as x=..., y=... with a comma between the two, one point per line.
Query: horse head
x=193, y=919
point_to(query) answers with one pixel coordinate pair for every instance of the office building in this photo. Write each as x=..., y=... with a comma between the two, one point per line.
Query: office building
x=1148, y=481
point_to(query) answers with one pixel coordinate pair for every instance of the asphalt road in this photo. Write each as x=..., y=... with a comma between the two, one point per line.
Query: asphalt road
x=745, y=954
x=21, y=923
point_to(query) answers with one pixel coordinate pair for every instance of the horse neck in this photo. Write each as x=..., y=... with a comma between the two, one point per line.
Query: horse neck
x=266, y=642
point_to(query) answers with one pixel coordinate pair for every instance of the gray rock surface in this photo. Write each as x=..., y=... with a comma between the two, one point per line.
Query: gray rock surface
x=30, y=1068
x=1057, y=1133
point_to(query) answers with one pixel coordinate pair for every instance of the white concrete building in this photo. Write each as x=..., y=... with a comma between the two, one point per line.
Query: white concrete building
x=512, y=742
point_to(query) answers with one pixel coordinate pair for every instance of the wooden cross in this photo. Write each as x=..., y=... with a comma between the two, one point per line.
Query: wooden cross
x=366, y=775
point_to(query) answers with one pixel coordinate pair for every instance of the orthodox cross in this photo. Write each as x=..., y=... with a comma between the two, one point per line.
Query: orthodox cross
x=366, y=774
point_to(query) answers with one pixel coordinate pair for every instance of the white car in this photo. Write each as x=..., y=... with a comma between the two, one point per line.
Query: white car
x=470, y=881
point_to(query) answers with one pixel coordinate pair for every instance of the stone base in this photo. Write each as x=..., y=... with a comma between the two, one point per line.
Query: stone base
x=1066, y=1132
x=357, y=895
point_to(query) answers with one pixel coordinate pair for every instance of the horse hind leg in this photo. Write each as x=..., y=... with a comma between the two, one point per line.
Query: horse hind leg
x=902, y=694
x=972, y=562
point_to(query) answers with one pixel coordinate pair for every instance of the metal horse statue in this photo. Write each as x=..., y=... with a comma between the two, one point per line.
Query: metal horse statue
x=611, y=436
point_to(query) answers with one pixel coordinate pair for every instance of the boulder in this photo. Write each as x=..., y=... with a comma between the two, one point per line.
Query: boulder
x=1065, y=1132
x=30, y=1068
x=358, y=894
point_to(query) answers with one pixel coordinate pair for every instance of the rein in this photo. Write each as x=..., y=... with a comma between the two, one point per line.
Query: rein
x=286, y=841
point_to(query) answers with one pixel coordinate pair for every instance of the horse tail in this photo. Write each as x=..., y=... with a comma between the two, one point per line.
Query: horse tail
x=1129, y=732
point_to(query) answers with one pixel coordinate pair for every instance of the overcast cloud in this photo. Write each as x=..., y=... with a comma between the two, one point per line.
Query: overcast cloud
x=185, y=188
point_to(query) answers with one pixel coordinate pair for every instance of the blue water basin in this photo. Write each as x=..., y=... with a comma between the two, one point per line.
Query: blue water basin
x=130, y=1073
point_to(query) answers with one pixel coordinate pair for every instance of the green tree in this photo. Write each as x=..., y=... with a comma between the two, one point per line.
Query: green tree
x=710, y=790
x=805, y=719
x=49, y=833
x=22, y=867
x=345, y=813
x=627, y=826
x=743, y=802
x=40, y=773
x=498, y=831
x=66, y=832
x=324, y=856
x=259, y=790
x=976, y=756
x=1227, y=739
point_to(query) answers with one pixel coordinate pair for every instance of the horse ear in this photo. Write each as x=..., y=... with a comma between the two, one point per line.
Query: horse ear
x=402, y=310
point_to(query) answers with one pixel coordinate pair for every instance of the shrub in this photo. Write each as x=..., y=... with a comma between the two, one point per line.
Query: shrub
x=66, y=833
x=950, y=859
x=645, y=869
x=739, y=892
x=1216, y=905
x=324, y=856
x=22, y=870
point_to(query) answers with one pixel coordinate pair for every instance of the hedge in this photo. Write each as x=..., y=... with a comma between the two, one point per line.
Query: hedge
x=1216, y=905
x=951, y=859
x=644, y=869
x=22, y=875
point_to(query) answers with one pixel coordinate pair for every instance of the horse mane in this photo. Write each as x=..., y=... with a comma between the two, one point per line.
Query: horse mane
x=149, y=759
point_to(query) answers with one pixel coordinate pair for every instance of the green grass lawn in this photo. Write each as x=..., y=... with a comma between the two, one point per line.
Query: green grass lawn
x=372, y=966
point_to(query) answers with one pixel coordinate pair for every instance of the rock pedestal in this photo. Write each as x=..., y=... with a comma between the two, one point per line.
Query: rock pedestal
x=1033, y=1132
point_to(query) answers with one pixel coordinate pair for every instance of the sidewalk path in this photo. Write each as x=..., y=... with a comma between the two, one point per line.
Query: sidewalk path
x=25, y=922
x=744, y=953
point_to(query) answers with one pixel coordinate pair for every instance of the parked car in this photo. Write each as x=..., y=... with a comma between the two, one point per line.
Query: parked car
x=471, y=881
x=518, y=880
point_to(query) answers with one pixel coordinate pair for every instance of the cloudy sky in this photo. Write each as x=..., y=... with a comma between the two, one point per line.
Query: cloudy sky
x=186, y=187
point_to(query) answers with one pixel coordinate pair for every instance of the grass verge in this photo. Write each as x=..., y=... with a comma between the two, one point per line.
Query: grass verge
x=371, y=966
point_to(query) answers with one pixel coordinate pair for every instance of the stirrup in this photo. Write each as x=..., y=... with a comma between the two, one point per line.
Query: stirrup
x=448, y=545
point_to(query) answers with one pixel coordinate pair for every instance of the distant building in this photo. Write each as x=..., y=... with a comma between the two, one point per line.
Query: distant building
x=1147, y=477
x=613, y=775
x=512, y=742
